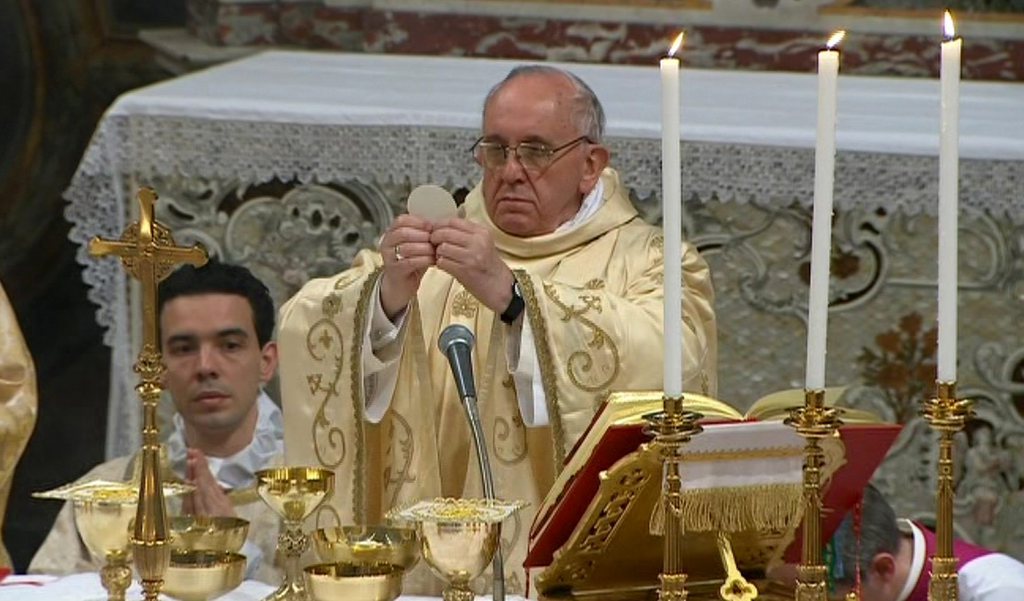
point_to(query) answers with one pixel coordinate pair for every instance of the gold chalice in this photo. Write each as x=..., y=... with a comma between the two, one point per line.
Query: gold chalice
x=458, y=538
x=368, y=546
x=293, y=492
x=195, y=533
x=348, y=582
x=202, y=575
x=104, y=511
x=104, y=526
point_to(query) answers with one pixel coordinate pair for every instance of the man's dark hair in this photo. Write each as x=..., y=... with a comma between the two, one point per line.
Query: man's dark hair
x=222, y=278
x=879, y=533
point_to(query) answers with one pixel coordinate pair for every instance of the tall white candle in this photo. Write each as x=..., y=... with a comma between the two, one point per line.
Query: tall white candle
x=821, y=226
x=949, y=157
x=672, y=209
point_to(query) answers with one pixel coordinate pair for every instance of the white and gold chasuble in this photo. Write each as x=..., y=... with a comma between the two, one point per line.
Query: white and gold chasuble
x=594, y=303
x=19, y=401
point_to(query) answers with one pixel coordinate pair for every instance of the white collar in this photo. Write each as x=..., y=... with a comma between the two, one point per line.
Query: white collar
x=588, y=207
x=238, y=470
x=916, y=560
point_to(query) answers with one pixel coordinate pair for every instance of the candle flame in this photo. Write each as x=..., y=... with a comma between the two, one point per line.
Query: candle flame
x=835, y=39
x=947, y=26
x=676, y=44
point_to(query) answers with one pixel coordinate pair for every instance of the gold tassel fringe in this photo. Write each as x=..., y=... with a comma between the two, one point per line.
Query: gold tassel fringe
x=736, y=509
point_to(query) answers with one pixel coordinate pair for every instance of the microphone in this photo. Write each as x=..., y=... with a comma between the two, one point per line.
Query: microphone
x=456, y=343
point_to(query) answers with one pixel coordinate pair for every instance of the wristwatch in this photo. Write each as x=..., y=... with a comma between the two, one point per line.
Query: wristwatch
x=515, y=306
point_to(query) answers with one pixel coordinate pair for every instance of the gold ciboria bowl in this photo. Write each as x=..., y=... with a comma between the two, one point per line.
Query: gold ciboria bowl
x=368, y=546
x=348, y=582
x=458, y=538
x=194, y=533
x=202, y=575
x=362, y=562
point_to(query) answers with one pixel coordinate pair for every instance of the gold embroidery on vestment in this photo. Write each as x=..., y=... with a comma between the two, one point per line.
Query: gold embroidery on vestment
x=359, y=508
x=331, y=305
x=548, y=377
x=321, y=330
x=406, y=444
x=509, y=440
x=346, y=279
x=464, y=304
x=512, y=584
x=582, y=361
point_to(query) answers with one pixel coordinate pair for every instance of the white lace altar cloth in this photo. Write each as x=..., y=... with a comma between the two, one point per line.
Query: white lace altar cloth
x=329, y=117
x=87, y=587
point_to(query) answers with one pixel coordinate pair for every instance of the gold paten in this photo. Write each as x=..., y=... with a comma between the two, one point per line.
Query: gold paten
x=946, y=414
x=487, y=511
x=203, y=575
x=148, y=253
x=106, y=491
x=293, y=493
x=342, y=582
x=458, y=538
x=612, y=555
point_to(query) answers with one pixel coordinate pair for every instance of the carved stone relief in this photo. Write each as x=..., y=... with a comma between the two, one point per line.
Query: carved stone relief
x=285, y=235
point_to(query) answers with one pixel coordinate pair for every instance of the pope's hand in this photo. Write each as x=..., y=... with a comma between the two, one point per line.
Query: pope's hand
x=407, y=253
x=466, y=251
x=208, y=499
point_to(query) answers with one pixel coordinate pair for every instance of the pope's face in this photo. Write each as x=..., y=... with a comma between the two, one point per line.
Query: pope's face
x=537, y=108
x=215, y=365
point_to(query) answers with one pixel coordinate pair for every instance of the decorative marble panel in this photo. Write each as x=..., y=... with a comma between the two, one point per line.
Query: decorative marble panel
x=882, y=341
x=233, y=23
x=895, y=39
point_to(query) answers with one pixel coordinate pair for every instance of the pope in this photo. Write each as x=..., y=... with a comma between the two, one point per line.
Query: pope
x=551, y=267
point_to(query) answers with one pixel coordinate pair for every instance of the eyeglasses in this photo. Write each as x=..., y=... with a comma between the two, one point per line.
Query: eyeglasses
x=533, y=156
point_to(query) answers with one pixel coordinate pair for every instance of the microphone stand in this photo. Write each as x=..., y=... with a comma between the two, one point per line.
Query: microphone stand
x=477, y=431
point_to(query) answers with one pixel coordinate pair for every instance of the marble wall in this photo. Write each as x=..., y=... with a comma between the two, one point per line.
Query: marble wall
x=899, y=39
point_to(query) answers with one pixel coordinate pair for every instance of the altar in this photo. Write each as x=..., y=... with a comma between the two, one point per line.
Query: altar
x=289, y=162
x=79, y=587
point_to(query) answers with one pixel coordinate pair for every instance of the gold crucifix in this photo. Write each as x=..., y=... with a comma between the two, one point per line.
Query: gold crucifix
x=148, y=253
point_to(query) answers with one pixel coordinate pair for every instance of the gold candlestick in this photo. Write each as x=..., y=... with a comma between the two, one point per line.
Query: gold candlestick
x=148, y=253
x=814, y=421
x=947, y=416
x=672, y=428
